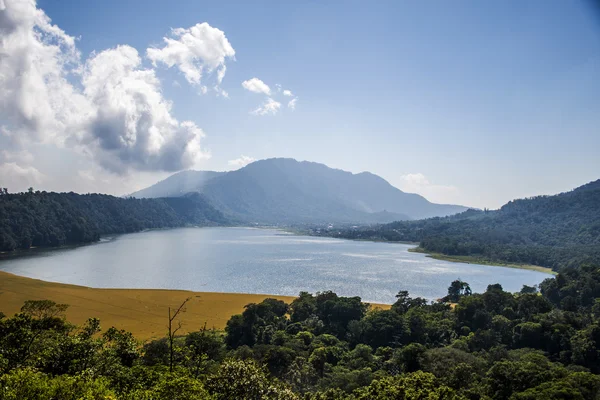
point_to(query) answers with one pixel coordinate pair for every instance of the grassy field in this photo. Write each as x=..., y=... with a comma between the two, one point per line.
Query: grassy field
x=141, y=311
x=475, y=260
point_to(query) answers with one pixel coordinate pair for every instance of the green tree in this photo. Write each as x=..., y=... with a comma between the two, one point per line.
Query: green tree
x=456, y=290
x=415, y=386
x=245, y=380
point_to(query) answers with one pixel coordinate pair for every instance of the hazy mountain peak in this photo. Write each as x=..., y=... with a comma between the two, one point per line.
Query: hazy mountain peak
x=284, y=190
x=178, y=184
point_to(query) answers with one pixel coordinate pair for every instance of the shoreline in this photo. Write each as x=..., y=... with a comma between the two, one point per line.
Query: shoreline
x=143, y=312
x=481, y=261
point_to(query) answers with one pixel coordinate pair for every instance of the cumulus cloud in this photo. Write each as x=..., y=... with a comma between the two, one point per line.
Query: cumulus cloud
x=419, y=183
x=241, y=162
x=107, y=106
x=132, y=122
x=194, y=51
x=269, y=107
x=257, y=86
x=36, y=58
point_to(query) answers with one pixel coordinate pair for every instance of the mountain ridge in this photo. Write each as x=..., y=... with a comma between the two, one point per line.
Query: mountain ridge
x=287, y=191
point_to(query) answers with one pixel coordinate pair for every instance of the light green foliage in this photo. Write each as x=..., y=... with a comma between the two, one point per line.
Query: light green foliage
x=173, y=387
x=245, y=380
x=21, y=384
x=577, y=386
x=415, y=386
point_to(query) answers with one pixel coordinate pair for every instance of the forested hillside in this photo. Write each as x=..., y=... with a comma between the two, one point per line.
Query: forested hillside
x=550, y=231
x=55, y=219
x=494, y=345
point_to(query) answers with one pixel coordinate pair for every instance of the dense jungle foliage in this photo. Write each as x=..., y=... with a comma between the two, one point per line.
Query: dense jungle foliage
x=549, y=231
x=34, y=219
x=494, y=345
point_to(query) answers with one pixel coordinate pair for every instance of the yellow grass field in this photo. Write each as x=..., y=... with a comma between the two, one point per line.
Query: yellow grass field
x=144, y=312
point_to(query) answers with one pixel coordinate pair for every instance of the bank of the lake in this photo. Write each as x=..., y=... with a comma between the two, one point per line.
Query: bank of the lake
x=481, y=261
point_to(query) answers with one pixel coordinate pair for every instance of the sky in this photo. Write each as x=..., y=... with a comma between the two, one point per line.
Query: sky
x=465, y=102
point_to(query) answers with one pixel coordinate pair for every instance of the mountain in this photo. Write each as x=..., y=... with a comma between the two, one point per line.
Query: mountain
x=50, y=219
x=282, y=190
x=177, y=184
x=552, y=231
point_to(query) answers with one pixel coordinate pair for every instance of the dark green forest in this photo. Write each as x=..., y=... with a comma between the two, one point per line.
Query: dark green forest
x=39, y=219
x=493, y=345
x=549, y=231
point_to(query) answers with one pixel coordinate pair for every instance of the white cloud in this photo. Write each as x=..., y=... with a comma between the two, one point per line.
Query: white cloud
x=221, y=74
x=221, y=92
x=418, y=183
x=132, y=124
x=241, y=162
x=270, y=106
x=415, y=180
x=292, y=103
x=108, y=107
x=257, y=86
x=193, y=51
x=36, y=98
x=17, y=178
x=16, y=172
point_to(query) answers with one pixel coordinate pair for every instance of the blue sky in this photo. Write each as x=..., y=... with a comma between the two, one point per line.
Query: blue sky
x=465, y=102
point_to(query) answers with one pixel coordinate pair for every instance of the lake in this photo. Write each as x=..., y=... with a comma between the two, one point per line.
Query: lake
x=247, y=260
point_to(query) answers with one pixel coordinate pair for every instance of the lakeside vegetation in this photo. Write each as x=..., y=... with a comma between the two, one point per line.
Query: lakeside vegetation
x=548, y=231
x=494, y=345
x=48, y=219
x=480, y=261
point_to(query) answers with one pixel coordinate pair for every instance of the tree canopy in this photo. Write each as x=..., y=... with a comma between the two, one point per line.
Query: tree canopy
x=492, y=345
x=47, y=219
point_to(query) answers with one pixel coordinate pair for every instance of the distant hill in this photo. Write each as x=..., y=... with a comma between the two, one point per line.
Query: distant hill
x=551, y=231
x=285, y=191
x=177, y=184
x=39, y=219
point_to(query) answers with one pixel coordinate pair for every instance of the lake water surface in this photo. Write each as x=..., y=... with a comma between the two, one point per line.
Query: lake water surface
x=246, y=260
